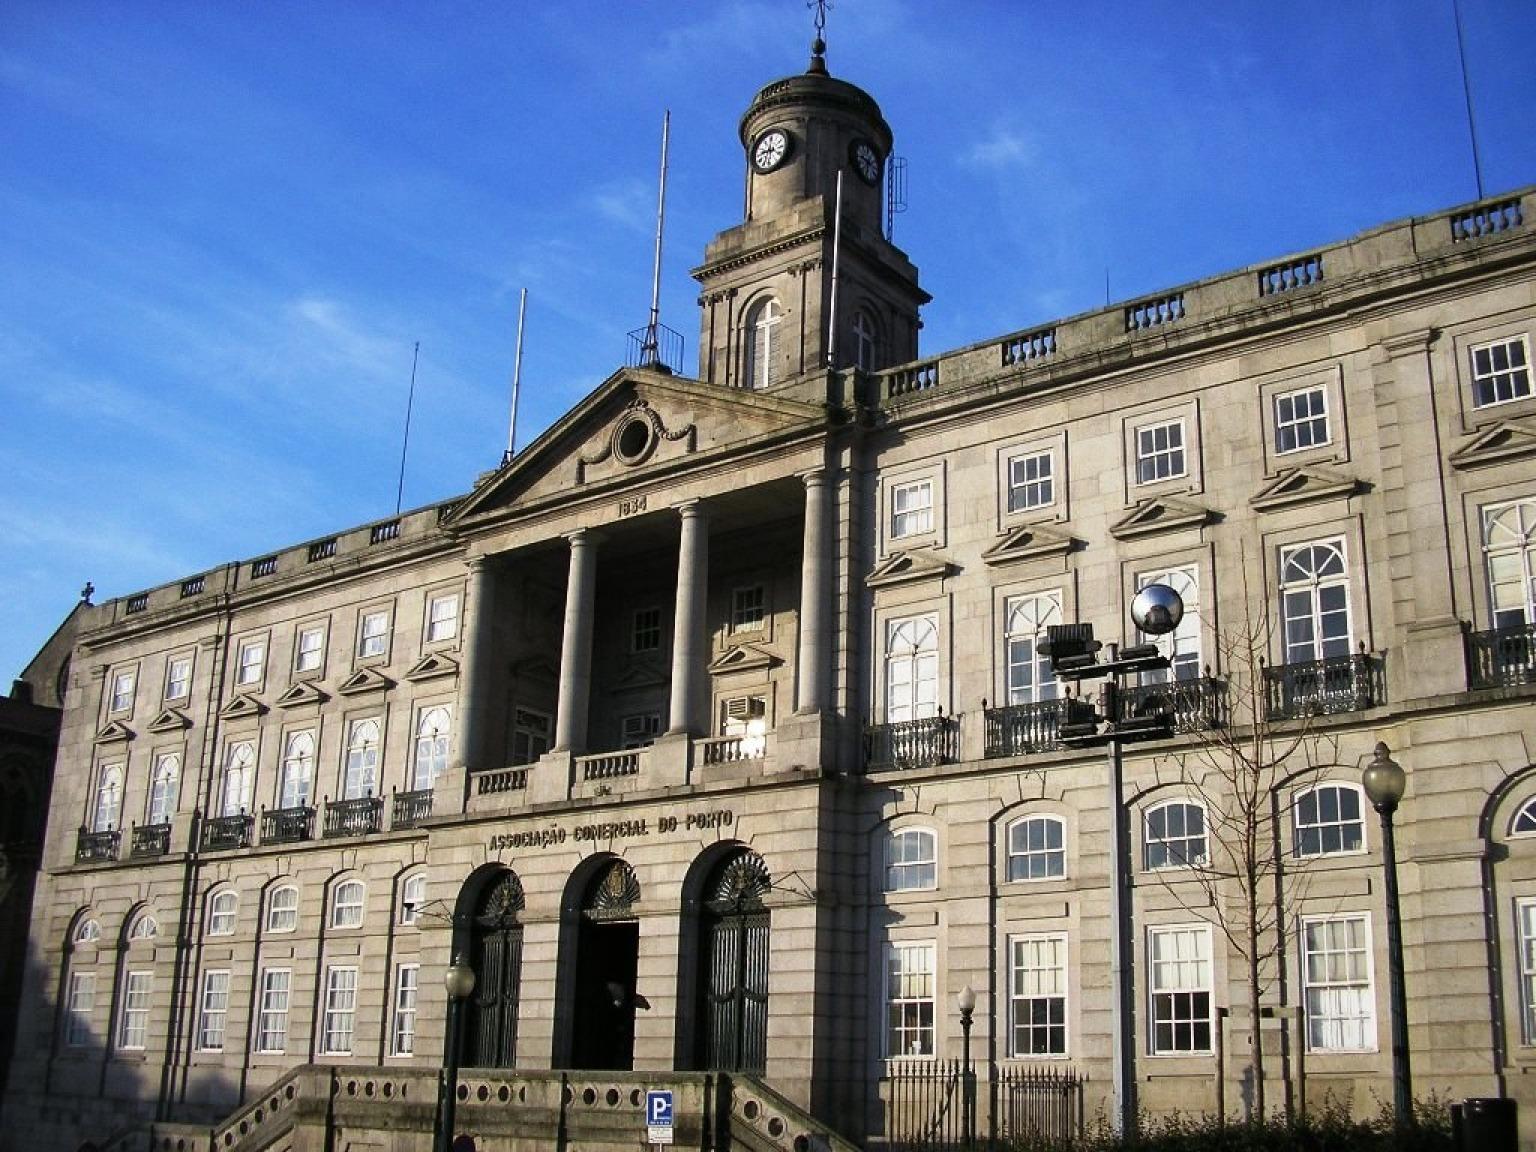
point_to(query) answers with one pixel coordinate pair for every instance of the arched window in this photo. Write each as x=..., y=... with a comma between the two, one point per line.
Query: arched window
x=239, y=767
x=760, y=337
x=283, y=909
x=89, y=931
x=911, y=669
x=109, y=800
x=361, y=776
x=297, y=785
x=1030, y=678
x=1509, y=541
x=864, y=345
x=1182, y=645
x=146, y=927
x=413, y=894
x=911, y=860
x=1314, y=601
x=431, y=747
x=1329, y=819
x=1037, y=848
x=221, y=913
x=1524, y=823
x=163, y=786
x=1175, y=836
x=347, y=905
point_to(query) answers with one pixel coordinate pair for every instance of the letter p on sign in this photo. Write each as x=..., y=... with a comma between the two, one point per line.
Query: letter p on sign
x=658, y=1116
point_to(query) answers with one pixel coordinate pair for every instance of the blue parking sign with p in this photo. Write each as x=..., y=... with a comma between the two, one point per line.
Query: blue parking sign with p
x=658, y=1115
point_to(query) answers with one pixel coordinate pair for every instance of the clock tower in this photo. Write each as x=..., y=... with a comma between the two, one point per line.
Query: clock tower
x=767, y=283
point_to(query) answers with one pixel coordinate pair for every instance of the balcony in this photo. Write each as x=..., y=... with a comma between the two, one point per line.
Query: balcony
x=1195, y=704
x=1019, y=729
x=730, y=749
x=149, y=840
x=609, y=765
x=95, y=847
x=221, y=833
x=1324, y=687
x=912, y=743
x=500, y=780
x=1502, y=657
x=357, y=817
x=411, y=808
x=288, y=825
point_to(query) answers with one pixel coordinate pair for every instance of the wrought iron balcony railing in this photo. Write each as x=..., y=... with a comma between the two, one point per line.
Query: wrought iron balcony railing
x=912, y=743
x=1324, y=687
x=356, y=817
x=149, y=840
x=1018, y=729
x=1502, y=657
x=288, y=825
x=92, y=847
x=221, y=833
x=1194, y=704
x=411, y=808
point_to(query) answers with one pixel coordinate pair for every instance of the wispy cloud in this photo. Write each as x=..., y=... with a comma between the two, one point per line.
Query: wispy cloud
x=1005, y=146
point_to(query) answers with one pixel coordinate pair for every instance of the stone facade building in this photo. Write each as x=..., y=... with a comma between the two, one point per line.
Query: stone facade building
x=713, y=731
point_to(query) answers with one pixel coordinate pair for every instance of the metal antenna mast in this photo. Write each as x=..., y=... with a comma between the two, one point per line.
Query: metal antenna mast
x=410, y=400
x=517, y=375
x=650, y=353
x=1466, y=89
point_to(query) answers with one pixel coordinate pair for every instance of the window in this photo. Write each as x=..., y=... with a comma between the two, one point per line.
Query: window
x=360, y=777
x=413, y=894
x=373, y=635
x=1509, y=542
x=1160, y=452
x=1181, y=989
x=1329, y=820
x=340, y=1010
x=864, y=334
x=431, y=747
x=640, y=731
x=1037, y=848
x=530, y=735
x=121, y=699
x=297, y=785
x=347, y=905
x=748, y=609
x=442, y=618
x=911, y=509
x=1301, y=419
x=746, y=718
x=1501, y=371
x=1175, y=836
x=239, y=767
x=214, y=1010
x=1525, y=917
x=909, y=983
x=403, y=1036
x=272, y=1014
x=1030, y=678
x=1182, y=645
x=108, y=810
x=221, y=913
x=250, y=663
x=1336, y=972
x=89, y=932
x=911, y=860
x=309, y=651
x=760, y=367
x=283, y=909
x=1314, y=601
x=1037, y=1001
x=178, y=678
x=645, y=636
x=133, y=1027
x=146, y=927
x=1031, y=481
x=164, y=782
x=78, y=1008
x=1524, y=823
x=911, y=669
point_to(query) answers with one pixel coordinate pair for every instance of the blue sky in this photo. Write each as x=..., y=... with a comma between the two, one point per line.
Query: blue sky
x=223, y=226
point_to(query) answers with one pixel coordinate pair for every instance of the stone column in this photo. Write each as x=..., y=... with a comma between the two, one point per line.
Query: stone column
x=815, y=568
x=576, y=645
x=688, y=619
x=474, y=671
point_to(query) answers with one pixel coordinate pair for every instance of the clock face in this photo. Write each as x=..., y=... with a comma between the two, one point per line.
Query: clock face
x=865, y=161
x=770, y=150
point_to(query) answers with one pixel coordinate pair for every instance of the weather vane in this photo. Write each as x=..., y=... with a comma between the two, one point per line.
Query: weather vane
x=819, y=45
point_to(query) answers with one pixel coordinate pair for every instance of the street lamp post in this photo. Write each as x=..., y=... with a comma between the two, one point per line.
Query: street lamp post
x=1384, y=782
x=967, y=1004
x=459, y=980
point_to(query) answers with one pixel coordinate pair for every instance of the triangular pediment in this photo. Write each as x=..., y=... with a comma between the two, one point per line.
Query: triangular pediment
x=433, y=666
x=535, y=668
x=1160, y=514
x=241, y=706
x=1506, y=440
x=638, y=423
x=639, y=675
x=909, y=567
x=743, y=658
x=1030, y=542
x=1302, y=486
x=170, y=720
x=365, y=680
x=114, y=732
x=301, y=694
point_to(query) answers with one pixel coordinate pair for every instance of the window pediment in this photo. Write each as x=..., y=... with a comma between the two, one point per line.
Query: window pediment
x=1302, y=486
x=1506, y=440
x=910, y=567
x=431, y=667
x=114, y=732
x=1160, y=514
x=743, y=658
x=1030, y=542
x=241, y=706
x=170, y=720
x=365, y=680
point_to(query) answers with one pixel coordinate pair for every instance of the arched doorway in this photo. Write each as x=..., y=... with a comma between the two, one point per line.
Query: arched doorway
x=496, y=949
x=733, y=954
x=607, y=958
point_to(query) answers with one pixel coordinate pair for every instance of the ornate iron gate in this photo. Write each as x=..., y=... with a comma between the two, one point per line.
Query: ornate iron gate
x=735, y=953
x=498, y=953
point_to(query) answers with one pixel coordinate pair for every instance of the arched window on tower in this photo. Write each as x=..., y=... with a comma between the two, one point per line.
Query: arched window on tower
x=760, y=338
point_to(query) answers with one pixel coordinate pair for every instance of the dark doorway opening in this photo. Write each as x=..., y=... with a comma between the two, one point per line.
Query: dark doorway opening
x=496, y=949
x=607, y=959
x=733, y=984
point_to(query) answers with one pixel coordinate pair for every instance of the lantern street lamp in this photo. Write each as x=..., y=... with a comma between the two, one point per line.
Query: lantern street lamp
x=966, y=1001
x=1384, y=782
x=459, y=980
